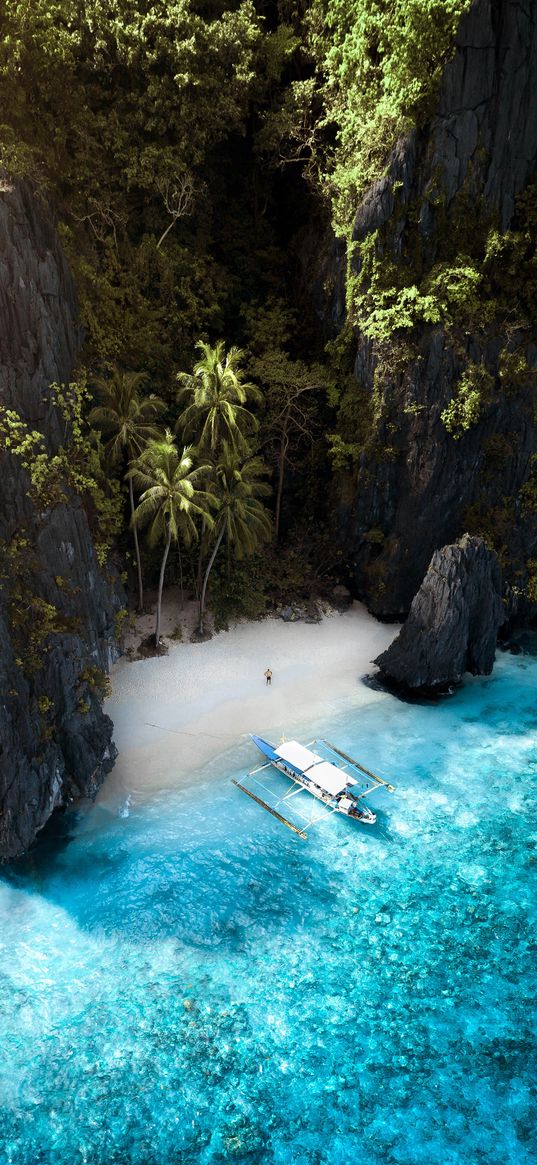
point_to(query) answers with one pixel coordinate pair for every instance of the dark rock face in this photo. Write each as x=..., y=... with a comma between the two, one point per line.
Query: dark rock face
x=453, y=621
x=55, y=740
x=415, y=490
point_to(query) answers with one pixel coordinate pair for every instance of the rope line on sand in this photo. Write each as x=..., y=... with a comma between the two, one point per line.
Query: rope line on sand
x=182, y=732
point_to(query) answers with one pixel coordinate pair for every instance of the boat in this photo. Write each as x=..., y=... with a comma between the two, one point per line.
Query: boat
x=336, y=780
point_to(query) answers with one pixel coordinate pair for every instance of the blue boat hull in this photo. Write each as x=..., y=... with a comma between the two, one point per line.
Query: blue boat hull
x=264, y=747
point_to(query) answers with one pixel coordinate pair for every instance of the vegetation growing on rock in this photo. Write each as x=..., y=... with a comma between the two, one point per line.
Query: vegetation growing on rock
x=196, y=155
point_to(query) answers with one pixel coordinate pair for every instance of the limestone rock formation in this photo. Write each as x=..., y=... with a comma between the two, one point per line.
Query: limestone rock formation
x=415, y=487
x=55, y=740
x=453, y=621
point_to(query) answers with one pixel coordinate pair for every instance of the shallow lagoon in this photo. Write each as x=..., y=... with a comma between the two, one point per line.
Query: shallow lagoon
x=187, y=982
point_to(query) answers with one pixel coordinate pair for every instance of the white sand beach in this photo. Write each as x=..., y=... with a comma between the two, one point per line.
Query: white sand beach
x=174, y=713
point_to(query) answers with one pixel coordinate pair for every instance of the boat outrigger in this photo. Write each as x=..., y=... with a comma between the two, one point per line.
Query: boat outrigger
x=340, y=786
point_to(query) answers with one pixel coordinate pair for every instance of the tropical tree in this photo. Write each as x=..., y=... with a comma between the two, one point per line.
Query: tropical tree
x=291, y=420
x=293, y=392
x=126, y=421
x=170, y=500
x=241, y=517
x=215, y=396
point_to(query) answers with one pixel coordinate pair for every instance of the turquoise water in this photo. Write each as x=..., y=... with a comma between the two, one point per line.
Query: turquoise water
x=192, y=983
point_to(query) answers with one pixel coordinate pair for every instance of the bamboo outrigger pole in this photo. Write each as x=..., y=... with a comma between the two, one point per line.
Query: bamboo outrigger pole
x=278, y=816
x=390, y=788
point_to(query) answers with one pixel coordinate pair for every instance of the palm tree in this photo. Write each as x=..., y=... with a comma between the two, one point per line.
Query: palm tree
x=216, y=396
x=242, y=517
x=170, y=500
x=127, y=423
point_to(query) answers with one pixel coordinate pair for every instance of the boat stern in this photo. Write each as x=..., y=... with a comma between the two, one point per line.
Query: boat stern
x=352, y=808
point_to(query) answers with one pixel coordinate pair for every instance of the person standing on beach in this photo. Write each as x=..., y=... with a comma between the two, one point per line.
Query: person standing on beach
x=268, y=676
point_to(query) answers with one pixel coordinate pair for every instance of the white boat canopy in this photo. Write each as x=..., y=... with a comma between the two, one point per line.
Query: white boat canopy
x=328, y=777
x=324, y=774
x=294, y=752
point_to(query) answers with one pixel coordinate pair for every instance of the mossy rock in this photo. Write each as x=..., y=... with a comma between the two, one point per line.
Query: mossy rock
x=201, y=636
x=147, y=647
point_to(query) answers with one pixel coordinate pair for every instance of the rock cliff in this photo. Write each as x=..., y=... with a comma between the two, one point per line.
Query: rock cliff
x=450, y=192
x=453, y=621
x=56, y=606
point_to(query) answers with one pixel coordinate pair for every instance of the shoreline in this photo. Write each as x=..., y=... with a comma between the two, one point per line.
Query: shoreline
x=174, y=714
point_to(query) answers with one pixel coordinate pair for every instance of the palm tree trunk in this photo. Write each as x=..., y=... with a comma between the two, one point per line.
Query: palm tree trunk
x=137, y=549
x=160, y=585
x=199, y=574
x=284, y=445
x=181, y=577
x=207, y=573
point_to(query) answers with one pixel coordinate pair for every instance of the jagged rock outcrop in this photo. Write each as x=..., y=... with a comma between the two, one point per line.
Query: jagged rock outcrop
x=453, y=622
x=416, y=487
x=55, y=740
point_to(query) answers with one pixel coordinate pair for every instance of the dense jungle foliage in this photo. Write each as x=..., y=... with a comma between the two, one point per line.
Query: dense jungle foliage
x=195, y=153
